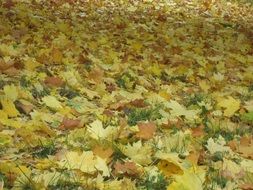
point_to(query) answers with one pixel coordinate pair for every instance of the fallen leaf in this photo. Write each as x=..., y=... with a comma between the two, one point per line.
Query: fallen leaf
x=230, y=104
x=136, y=152
x=51, y=102
x=69, y=124
x=247, y=186
x=198, y=131
x=191, y=179
x=104, y=153
x=179, y=110
x=169, y=164
x=56, y=55
x=9, y=107
x=146, y=130
x=129, y=168
x=11, y=92
x=54, y=81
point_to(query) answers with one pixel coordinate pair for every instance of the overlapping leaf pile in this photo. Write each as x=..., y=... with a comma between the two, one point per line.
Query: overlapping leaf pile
x=126, y=95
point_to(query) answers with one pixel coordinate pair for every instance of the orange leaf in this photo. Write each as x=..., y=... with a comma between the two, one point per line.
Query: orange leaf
x=245, y=141
x=193, y=157
x=69, y=123
x=54, y=81
x=198, y=131
x=127, y=167
x=146, y=130
x=96, y=75
x=104, y=153
x=246, y=186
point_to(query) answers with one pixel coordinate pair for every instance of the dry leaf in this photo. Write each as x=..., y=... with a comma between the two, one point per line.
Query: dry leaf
x=104, y=153
x=69, y=124
x=146, y=130
x=230, y=104
x=54, y=81
x=129, y=168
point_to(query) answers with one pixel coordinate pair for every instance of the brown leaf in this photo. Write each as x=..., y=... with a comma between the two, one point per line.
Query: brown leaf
x=12, y=71
x=104, y=153
x=198, y=131
x=25, y=108
x=4, y=66
x=233, y=145
x=246, y=186
x=146, y=130
x=139, y=103
x=245, y=141
x=69, y=123
x=8, y=4
x=54, y=81
x=129, y=168
x=96, y=75
x=193, y=157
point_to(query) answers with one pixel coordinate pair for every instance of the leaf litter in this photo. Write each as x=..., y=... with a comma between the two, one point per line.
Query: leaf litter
x=126, y=94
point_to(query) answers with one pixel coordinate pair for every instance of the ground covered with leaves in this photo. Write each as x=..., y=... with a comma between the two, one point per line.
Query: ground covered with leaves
x=111, y=95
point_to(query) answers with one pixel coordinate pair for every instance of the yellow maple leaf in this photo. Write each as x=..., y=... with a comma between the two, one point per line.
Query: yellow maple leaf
x=204, y=86
x=191, y=179
x=97, y=131
x=30, y=63
x=11, y=92
x=51, y=102
x=179, y=110
x=136, y=152
x=9, y=108
x=86, y=162
x=169, y=164
x=230, y=104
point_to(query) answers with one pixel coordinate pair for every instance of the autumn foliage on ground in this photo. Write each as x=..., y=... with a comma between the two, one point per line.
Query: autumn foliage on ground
x=124, y=95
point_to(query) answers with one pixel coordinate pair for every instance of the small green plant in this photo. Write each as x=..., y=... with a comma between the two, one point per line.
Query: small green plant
x=40, y=93
x=126, y=81
x=24, y=82
x=65, y=185
x=135, y=115
x=248, y=117
x=68, y=92
x=193, y=100
x=44, y=150
x=155, y=183
x=215, y=179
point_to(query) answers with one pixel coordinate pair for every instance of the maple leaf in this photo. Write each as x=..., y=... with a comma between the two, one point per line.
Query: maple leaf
x=11, y=92
x=179, y=110
x=69, y=123
x=54, y=81
x=146, y=130
x=97, y=131
x=230, y=104
x=218, y=146
x=51, y=102
x=84, y=161
x=136, y=152
x=9, y=107
x=191, y=179
x=56, y=55
x=169, y=164
x=127, y=167
x=104, y=153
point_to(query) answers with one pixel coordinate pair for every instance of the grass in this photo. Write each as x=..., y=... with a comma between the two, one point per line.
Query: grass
x=155, y=183
x=44, y=150
x=137, y=114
